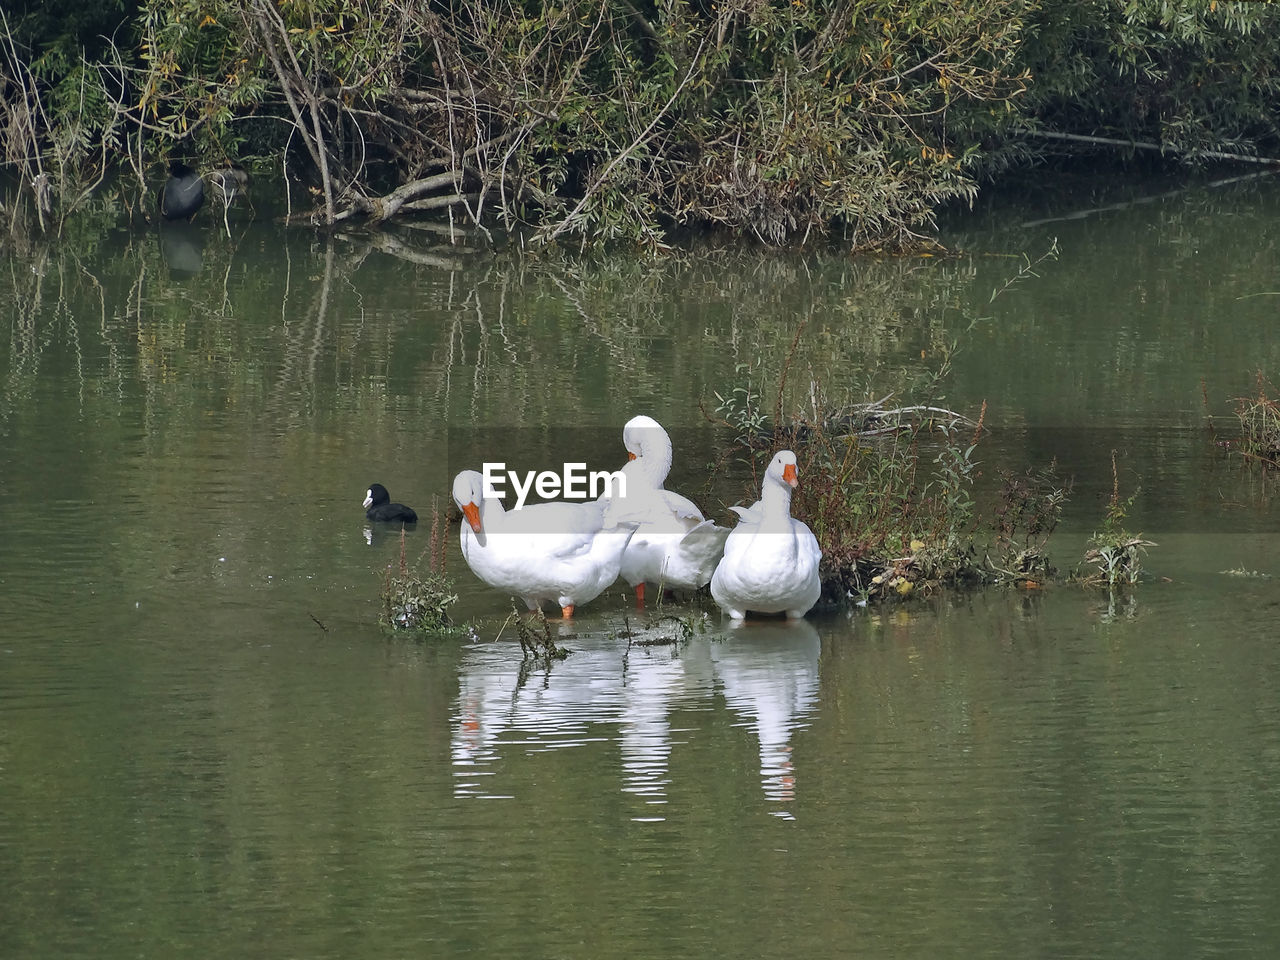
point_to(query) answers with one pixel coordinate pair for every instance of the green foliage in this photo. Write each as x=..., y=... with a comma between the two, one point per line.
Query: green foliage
x=779, y=120
x=1187, y=74
x=418, y=604
x=61, y=35
x=740, y=407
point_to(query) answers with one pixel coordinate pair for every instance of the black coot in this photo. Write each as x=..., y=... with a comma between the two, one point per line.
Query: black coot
x=379, y=506
x=183, y=193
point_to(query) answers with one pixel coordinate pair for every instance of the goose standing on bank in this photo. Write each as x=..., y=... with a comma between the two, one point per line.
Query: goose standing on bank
x=548, y=551
x=771, y=559
x=674, y=545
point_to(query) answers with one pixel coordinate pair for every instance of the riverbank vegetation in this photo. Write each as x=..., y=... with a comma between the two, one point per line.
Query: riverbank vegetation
x=889, y=491
x=892, y=495
x=778, y=121
x=890, y=487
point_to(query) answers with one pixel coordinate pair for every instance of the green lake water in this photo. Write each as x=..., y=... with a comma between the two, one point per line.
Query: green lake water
x=208, y=747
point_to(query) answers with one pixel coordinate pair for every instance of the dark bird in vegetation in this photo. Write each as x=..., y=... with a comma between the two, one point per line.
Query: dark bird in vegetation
x=229, y=181
x=183, y=193
x=378, y=507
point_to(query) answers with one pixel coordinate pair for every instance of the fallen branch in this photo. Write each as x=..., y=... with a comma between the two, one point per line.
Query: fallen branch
x=444, y=200
x=1160, y=148
x=387, y=206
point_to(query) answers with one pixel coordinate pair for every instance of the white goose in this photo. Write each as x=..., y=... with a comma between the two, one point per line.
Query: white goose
x=547, y=551
x=771, y=559
x=674, y=545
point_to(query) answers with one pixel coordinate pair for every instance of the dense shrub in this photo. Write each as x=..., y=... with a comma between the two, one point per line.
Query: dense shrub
x=776, y=119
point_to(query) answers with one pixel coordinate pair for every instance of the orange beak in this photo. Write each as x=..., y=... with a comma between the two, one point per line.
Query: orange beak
x=789, y=475
x=472, y=513
x=630, y=456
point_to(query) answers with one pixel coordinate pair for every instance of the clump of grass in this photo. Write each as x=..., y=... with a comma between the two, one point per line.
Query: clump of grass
x=415, y=602
x=1114, y=557
x=1259, y=418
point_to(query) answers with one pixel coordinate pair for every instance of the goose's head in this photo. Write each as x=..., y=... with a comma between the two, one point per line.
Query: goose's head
x=647, y=442
x=782, y=469
x=637, y=433
x=468, y=494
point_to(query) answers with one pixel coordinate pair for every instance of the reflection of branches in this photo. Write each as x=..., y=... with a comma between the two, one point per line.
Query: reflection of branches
x=390, y=244
x=24, y=346
x=493, y=338
x=293, y=347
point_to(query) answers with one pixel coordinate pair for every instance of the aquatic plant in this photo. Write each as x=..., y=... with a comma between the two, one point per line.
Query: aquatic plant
x=1114, y=557
x=1027, y=512
x=1245, y=573
x=537, y=647
x=419, y=602
x=665, y=630
x=534, y=633
x=1259, y=419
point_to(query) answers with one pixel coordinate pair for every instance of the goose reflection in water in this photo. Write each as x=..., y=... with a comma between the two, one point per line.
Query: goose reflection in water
x=568, y=705
x=767, y=673
x=656, y=680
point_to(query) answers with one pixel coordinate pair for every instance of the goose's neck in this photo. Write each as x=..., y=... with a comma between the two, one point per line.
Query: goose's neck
x=643, y=474
x=655, y=454
x=775, y=499
x=491, y=509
